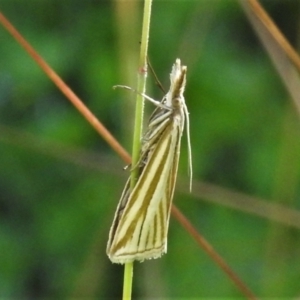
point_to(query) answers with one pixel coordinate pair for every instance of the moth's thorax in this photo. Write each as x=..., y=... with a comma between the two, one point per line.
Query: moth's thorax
x=178, y=81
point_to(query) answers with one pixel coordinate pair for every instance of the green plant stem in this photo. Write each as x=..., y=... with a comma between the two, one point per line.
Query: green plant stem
x=141, y=87
x=127, y=284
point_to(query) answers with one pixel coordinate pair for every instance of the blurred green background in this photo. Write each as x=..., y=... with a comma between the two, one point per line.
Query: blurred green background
x=60, y=182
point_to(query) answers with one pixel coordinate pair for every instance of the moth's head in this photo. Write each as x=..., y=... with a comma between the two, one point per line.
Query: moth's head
x=178, y=79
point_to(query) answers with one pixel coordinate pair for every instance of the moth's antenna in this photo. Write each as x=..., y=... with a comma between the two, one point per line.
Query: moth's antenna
x=158, y=83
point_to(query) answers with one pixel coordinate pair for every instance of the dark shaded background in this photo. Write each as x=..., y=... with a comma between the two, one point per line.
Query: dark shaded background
x=60, y=182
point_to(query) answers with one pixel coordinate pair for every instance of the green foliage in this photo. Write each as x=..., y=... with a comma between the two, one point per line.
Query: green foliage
x=57, y=196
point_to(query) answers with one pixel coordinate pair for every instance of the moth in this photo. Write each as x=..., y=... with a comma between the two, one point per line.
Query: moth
x=140, y=225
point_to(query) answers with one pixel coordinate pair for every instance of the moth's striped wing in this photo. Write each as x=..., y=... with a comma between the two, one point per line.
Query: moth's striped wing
x=140, y=226
x=141, y=222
